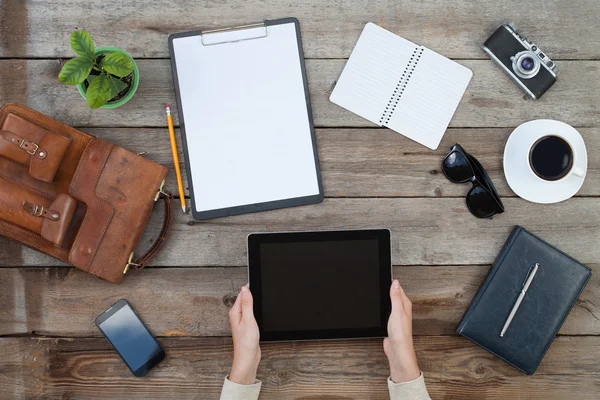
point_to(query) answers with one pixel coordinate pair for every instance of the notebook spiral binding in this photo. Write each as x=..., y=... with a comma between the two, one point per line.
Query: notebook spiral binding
x=401, y=86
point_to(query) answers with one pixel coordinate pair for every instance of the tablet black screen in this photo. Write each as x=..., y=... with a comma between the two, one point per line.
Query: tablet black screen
x=321, y=284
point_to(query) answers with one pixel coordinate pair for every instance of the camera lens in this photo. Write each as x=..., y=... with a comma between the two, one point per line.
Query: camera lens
x=527, y=63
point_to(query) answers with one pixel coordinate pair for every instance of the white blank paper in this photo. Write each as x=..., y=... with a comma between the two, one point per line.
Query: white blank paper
x=383, y=63
x=246, y=121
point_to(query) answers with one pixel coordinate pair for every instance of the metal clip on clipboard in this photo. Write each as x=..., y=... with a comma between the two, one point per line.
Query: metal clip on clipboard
x=234, y=34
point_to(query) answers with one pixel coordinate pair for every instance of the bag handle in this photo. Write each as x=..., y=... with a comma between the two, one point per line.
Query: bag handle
x=141, y=262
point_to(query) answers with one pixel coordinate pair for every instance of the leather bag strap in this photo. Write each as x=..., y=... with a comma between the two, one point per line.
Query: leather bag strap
x=33, y=149
x=141, y=262
x=41, y=211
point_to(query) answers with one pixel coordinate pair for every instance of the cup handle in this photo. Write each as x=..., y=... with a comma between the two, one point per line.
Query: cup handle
x=578, y=172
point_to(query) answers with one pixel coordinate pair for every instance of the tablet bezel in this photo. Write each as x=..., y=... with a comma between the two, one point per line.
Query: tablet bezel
x=383, y=237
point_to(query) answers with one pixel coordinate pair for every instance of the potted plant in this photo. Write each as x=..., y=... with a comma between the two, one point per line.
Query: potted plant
x=107, y=77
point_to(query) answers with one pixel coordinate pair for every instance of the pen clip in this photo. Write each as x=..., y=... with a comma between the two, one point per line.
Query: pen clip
x=529, y=274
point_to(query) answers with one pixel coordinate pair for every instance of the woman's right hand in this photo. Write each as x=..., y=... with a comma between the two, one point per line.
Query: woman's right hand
x=398, y=346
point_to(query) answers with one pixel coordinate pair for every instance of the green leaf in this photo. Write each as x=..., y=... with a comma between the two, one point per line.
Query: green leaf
x=116, y=86
x=117, y=64
x=82, y=44
x=98, y=93
x=91, y=78
x=75, y=71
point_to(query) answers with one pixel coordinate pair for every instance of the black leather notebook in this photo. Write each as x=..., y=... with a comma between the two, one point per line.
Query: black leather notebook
x=553, y=292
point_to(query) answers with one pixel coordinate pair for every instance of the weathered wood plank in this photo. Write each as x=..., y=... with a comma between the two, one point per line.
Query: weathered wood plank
x=491, y=100
x=355, y=163
x=195, y=301
x=425, y=231
x=377, y=162
x=329, y=29
x=195, y=368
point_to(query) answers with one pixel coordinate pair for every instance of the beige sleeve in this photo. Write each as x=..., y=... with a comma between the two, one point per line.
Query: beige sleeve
x=235, y=391
x=411, y=390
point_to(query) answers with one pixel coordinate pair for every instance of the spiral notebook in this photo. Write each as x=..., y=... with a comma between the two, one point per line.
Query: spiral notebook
x=398, y=84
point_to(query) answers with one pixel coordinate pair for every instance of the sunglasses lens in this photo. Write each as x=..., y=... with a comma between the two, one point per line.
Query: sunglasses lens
x=457, y=168
x=480, y=173
x=481, y=203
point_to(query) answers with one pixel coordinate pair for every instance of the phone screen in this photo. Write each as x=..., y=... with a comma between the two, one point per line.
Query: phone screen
x=132, y=340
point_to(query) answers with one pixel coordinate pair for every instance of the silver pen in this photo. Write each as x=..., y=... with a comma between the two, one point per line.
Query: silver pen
x=528, y=280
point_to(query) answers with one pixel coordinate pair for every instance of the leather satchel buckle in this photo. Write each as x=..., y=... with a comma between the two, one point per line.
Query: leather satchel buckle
x=130, y=263
x=37, y=211
x=40, y=211
x=31, y=152
x=161, y=190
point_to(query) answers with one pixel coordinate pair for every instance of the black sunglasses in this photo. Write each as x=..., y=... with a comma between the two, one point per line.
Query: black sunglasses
x=461, y=167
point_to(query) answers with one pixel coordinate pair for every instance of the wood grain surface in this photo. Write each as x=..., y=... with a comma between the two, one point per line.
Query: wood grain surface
x=329, y=29
x=195, y=301
x=425, y=231
x=195, y=368
x=491, y=100
x=372, y=177
x=377, y=162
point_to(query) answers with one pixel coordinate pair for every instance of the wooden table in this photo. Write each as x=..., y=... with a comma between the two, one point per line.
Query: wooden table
x=372, y=177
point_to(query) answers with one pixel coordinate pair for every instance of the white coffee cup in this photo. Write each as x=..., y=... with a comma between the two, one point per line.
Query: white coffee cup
x=553, y=158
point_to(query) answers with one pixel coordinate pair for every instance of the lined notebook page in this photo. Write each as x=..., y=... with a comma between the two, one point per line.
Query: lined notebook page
x=429, y=101
x=395, y=83
x=372, y=72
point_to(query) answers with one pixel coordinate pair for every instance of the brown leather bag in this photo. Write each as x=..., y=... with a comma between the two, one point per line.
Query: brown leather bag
x=75, y=197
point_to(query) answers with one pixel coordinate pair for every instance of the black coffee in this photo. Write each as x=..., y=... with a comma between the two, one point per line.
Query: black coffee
x=551, y=158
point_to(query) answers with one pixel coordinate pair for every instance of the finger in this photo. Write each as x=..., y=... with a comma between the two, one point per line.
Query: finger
x=406, y=303
x=396, y=296
x=235, y=313
x=247, y=303
x=386, y=346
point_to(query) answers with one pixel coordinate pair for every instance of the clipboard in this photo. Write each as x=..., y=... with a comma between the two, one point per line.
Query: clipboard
x=245, y=117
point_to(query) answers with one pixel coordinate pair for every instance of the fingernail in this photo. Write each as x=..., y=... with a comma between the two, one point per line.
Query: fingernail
x=396, y=284
x=245, y=289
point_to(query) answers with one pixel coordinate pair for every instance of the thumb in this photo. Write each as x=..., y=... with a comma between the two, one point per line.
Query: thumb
x=396, y=296
x=247, y=303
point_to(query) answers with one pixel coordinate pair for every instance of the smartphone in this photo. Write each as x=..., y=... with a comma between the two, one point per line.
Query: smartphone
x=130, y=337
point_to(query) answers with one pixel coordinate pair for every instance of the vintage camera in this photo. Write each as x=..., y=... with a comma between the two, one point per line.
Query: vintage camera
x=522, y=60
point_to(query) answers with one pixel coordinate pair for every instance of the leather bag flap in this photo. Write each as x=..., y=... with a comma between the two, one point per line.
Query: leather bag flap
x=61, y=212
x=31, y=145
x=119, y=189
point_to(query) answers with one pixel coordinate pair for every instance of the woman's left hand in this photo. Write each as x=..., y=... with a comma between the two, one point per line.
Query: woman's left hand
x=244, y=330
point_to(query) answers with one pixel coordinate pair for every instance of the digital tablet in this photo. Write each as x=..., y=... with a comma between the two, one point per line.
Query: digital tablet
x=320, y=285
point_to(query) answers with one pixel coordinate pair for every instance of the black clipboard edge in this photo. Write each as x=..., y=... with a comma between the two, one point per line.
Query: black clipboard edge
x=250, y=208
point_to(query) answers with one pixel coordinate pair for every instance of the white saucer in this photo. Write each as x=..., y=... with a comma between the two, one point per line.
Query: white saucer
x=519, y=175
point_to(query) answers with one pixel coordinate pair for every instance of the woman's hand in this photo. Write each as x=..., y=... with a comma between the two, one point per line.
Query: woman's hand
x=244, y=329
x=398, y=346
